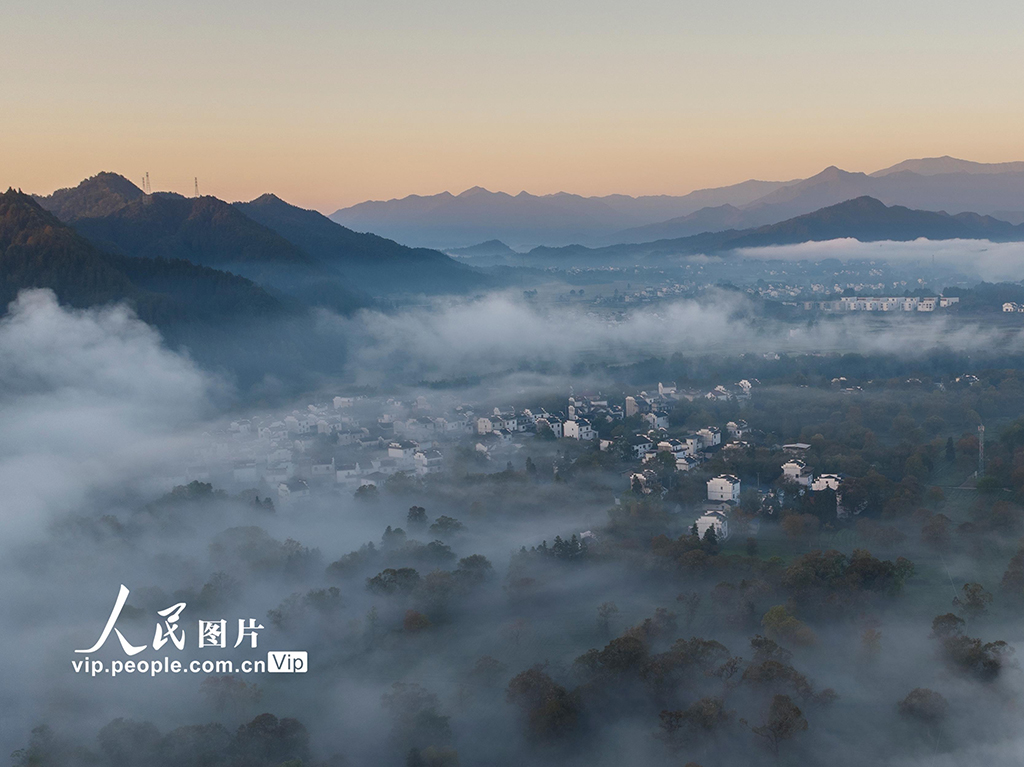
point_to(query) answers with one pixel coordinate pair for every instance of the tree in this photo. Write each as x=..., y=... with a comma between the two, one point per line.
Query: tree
x=551, y=711
x=228, y=693
x=924, y=705
x=936, y=532
x=415, y=621
x=974, y=602
x=416, y=722
x=392, y=581
x=780, y=624
x=700, y=720
x=798, y=526
x=269, y=740
x=605, y=613
x=691, y=603
x=474, y=568
x=444, y=526
x=784, y=722
x=367, y=493
x=416, y=519
x=950, y=450
x=1012, y=583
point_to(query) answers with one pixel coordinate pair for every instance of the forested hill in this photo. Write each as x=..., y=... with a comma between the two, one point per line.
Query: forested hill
x=99, y=195
x=38, y=251
x=864, y=219
x=295, y=251
x=373, y=264
x=203, y=230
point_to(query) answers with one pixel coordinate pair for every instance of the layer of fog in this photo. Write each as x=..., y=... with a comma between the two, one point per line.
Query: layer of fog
x=93, y=406
x=500, y=332
x=987, y=261
x=89, y=400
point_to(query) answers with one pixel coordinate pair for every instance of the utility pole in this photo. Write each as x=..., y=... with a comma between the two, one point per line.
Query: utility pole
x=981, y=450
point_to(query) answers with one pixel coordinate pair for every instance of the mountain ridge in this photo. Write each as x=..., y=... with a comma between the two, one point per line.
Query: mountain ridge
x=448, y=221
x=863, y=218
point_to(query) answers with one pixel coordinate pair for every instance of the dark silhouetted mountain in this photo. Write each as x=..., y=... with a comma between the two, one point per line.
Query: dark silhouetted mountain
x=452, y=221
x=869, y=220
x=936, y=166
x=39, y=251
x=204, y=231
x=491, y=249
x=864, y=218
x=980, y=192
x=100, y=195
x=373, y=264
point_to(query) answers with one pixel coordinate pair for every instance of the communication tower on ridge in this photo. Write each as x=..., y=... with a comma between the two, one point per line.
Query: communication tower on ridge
x=197, y=186
x=146, y=188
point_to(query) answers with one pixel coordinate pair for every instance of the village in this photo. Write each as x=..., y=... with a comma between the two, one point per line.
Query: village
x=356, y=445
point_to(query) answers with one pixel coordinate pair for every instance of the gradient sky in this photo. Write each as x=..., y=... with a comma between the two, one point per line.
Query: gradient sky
x=331, y=103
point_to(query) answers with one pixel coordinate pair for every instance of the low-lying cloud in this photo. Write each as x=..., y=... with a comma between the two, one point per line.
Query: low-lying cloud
x=988, y=261
x=88, y=400
x=501, y=332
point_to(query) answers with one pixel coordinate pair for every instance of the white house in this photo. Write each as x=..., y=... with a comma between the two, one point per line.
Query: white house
x=798, y=472
x=428, y=462
x=713, y=519
x=656, y=419
x=676, y=447
x=245, y=471
x=348, y=473
x=686, y=462
x=737, y=429
x=710, y=436
x=724, y=487
x=291, y=490
x=322, y=469
x=641, y=445
x=826, y=482
x=552, y=423
x=402, y=450
x=579, y=430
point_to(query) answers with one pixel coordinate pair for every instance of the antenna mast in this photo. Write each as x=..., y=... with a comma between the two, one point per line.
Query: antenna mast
x=981, y=450
x=197, y=186
x=146, y=188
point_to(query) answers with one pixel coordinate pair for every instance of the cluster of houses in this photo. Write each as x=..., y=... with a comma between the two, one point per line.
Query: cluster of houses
x=1012, y=306
x=346, y=443
x=884, y=304
x=724, y=492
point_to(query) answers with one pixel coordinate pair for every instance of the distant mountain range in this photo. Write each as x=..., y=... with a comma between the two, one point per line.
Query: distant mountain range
x=451, y=221
x=455, y=221
x=864, y=218
x=290, y=251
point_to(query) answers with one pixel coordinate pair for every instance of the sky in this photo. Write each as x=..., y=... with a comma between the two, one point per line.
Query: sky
x=328, y=104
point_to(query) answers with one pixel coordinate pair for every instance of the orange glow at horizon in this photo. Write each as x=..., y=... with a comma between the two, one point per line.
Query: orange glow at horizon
x=328, y=108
